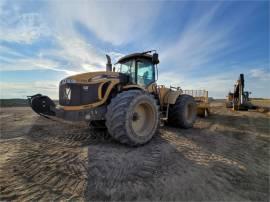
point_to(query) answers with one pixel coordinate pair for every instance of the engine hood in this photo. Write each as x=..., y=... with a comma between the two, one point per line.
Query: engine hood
x=94, y=77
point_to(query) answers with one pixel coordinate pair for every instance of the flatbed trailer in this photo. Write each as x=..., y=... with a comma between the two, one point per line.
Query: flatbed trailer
x=201, y=98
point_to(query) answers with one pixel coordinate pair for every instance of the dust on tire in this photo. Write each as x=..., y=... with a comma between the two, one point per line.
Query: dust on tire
x=125, y=112
x=183, y=112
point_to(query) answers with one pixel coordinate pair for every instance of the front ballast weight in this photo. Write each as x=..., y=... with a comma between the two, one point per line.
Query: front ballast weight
x=42, y=105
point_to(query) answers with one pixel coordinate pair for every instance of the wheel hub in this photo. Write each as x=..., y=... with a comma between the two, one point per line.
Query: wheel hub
x=135, y=116
x=143, y=119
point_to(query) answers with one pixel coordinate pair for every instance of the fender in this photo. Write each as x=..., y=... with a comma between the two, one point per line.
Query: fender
x=171, y=97
x=128, y=87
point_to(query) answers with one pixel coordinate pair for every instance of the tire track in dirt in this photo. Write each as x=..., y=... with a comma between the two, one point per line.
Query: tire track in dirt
x=39, y=172
x=47, y=165
x=220, y=159
x=237, y=135
x=115, y=170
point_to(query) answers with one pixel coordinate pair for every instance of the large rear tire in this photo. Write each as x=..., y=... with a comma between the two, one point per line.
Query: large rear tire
x=183, y=113
x=132, y=117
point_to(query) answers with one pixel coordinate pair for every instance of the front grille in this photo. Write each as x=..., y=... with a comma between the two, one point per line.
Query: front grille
x=72, y=94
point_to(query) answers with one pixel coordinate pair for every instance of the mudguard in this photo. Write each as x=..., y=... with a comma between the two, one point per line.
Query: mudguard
x=172, y=96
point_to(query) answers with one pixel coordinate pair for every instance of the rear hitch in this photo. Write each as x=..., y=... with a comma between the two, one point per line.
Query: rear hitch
x=42, y=105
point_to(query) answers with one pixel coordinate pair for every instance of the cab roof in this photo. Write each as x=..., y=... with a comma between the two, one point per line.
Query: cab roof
x=134, y=56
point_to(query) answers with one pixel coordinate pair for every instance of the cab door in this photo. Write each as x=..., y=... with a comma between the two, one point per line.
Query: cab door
x=145, y=74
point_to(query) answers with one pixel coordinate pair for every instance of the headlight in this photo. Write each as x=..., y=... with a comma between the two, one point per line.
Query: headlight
x=64, y=81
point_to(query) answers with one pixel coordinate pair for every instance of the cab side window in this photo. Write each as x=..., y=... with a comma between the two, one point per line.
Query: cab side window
x=145, y=72
x=128, y=68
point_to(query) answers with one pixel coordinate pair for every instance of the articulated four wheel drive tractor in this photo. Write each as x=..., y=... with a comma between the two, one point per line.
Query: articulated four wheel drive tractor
x=125, y=98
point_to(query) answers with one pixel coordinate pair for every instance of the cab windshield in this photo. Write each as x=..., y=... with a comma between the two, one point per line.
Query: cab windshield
x=145, y=72
x=144, y=75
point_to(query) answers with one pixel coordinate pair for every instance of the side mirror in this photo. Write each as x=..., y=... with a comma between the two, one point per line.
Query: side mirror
x=155, y=59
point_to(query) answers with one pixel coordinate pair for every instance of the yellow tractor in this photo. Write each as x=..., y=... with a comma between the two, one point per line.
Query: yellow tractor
x=125, y=99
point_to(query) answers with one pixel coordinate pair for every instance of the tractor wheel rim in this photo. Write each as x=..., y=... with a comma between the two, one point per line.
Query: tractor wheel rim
x=143, y=119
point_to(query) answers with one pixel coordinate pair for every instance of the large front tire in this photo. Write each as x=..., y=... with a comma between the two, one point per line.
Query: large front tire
x=132, y=117
x=184, y=112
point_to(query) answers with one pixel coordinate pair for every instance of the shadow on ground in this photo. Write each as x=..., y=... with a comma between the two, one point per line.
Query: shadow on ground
x=56, y=161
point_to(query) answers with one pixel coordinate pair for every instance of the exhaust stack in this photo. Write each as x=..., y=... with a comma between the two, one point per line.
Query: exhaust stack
x=109, y=64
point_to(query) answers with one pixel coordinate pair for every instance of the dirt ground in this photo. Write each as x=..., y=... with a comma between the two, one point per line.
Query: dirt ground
x=225, y=157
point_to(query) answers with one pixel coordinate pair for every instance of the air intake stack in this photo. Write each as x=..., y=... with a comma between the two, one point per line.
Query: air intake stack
x=109, y=64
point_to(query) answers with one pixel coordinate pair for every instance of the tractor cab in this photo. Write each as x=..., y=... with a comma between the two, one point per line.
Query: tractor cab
x=140, y=68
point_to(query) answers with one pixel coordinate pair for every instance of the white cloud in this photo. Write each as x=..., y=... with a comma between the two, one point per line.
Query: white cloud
x=20, y=27
x=76, y=56
x=200, y=43
x=71, y=53
x=260, y=73
x=116, y=22
x=27, y=63
x=218, y=85
x=198, y=47
x=81, y=56
x=115, y=56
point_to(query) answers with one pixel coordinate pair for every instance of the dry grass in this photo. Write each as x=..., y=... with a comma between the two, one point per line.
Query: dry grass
x=261, y=102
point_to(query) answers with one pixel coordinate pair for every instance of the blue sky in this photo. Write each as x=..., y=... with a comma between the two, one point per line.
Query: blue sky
x=202, y=44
